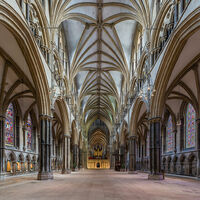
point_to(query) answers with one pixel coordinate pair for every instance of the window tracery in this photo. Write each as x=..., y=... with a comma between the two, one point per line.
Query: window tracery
x=190, y=127
x=169, y=134
x=29, y=128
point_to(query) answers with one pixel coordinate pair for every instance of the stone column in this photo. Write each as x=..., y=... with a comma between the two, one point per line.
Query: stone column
x=2, y=144
x=22, y=167
x=64, y=164
x=69, y=156
x=175, y=141
x=49, y=146
x=54, y=148
x=45, y=172
x=112, y=161
x=116, y=159
x=14, y=167
x=66, y=154
x=56, y=154
x=80, y=158
x=75, y=156
x=85, y=159
x=132, y=155
x=122, y=156
x=29, y=165
x=155, y=149
x=178, y=134
x=198, y=147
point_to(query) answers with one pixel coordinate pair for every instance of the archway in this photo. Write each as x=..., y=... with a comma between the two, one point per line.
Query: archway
x=98, y=151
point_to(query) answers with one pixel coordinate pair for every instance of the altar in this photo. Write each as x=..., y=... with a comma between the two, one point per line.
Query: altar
x=98, y=164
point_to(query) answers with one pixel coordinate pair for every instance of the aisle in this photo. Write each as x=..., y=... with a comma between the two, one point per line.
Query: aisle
x=98, y=185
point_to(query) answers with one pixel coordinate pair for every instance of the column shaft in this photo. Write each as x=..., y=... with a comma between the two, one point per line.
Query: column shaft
x=75, y=157
x=132, y=155
x=69, y=155
x=66, y=155
x=65, y=143
x=117, y=158
x=155, y=150
x=122, y=156
x=80, y=158
x=45, y=149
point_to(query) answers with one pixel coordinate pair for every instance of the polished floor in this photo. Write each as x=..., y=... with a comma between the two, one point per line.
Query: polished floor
x=98, y=185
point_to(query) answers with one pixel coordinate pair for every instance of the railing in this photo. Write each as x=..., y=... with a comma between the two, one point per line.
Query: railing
x=36, y=30
x=179, y=10
x=154, y=55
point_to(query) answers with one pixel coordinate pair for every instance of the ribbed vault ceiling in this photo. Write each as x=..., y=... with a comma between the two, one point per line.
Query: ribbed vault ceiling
x=99, y=35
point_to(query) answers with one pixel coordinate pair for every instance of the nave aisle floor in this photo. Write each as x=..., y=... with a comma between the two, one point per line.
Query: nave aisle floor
x=98, y=185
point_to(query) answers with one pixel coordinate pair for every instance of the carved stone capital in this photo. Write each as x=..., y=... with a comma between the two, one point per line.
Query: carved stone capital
x=132, y=137
x=67, y=136
x=45, y=117
x=2, y=117
x=155, y=119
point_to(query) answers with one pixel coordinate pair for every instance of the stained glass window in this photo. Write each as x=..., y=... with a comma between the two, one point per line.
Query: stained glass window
x=169, y=134
x=29, y=132
x=190, y=127
x=9, y=125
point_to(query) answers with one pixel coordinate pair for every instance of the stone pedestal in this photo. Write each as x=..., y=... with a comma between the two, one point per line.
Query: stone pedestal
x=45, y=172
x=155, y=150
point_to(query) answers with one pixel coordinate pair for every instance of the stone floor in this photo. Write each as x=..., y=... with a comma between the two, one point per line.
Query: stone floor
x=98, y=185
